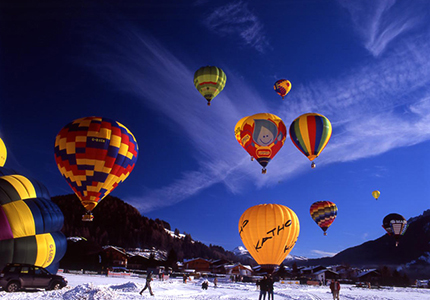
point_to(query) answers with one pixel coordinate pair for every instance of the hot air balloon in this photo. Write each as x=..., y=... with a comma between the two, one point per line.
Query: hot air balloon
x=395, y=225
x=376, y=194
x=323, y=213
x=3, y=153
x=237, y=130
x=310, y=133
x=282, y=87
x=94, y=155
x=269, y=232
x=30, y=223
x=262, y=136
x=209, y=81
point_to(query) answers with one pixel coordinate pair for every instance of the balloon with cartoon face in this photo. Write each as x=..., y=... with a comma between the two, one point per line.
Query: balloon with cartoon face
x=263, y=135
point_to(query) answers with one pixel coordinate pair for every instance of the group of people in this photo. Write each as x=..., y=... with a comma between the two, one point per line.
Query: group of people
x=266, y=287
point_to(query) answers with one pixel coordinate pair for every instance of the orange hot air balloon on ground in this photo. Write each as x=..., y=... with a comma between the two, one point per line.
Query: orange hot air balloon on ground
x=310, y=133
x=263, y=135
x=94, y=155
x=282, y=87
x=269, y=232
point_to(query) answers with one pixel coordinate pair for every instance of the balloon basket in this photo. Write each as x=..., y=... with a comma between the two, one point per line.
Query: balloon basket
x=263, y=171
x=325, y=233
x=313, y=165
x=88, y=217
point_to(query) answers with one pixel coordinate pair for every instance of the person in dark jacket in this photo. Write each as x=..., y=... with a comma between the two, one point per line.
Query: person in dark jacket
x=148, y=284
x=263, y=288
x=335, y=288
x=269, y=287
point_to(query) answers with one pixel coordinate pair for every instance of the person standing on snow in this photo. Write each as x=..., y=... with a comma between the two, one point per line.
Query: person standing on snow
x=263, y=288
x=148, y=284
x=269, y=287
x=335, y=288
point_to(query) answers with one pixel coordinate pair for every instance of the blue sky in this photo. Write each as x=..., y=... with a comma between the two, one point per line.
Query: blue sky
x=362, y=64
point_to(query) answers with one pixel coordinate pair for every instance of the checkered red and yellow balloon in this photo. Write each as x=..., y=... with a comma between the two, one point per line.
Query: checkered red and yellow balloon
x=94, y=155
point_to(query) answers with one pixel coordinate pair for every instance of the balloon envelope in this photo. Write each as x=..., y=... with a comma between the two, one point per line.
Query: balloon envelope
x=209, y=81
x=310, y=133
x=376, y=194
x=282, y=87
x=30, y=223
x=3, y=153
x=323, y=213
x=395, y=225
x=269, y=232
x=263, y=135
x=94, y=155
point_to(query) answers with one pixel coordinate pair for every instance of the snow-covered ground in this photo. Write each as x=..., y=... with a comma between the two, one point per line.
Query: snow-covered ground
x=97, y=287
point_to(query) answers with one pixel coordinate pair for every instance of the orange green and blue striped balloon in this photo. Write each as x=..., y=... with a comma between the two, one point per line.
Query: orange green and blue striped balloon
x=282, y=87
x=323, y=213
x=209, y=81
x=94, y=155
x=30, y=223
x=310, y=133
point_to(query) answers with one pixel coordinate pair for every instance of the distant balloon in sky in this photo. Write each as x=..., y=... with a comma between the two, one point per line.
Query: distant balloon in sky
x=395, y=225
x=376, y=194
x=269, y=232
x=3, y=153
x=310, y=133
x=30, y=223
x=94, y=155
x=209, y=81
x=323, y=213
x=282, y=87
x=262, y=136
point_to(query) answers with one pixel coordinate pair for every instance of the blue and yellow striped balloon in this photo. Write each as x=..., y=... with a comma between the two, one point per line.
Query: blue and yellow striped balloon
x=310, y=133
x=30, y=223
x=323, y=213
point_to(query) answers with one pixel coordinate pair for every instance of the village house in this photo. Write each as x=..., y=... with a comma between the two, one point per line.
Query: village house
x=114, y=257
x=200, y=265
x=238, y=269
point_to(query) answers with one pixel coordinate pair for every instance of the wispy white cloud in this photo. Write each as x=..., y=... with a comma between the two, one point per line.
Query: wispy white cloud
x=373, y=109
x=379, y=22
x=323, y=253
x=235, y=19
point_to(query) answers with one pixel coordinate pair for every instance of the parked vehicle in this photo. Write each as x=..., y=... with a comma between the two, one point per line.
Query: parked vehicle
x=15, y=277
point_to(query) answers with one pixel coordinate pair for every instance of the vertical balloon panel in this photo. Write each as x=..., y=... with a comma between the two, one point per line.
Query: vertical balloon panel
x=30, y=223
x=269, y=232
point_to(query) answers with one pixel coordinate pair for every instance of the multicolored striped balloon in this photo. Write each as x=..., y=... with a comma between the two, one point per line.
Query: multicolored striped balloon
x=282, y=87
x=209, y=81
x=94, y=155
x=30, y=223
x=323, y=213
x=310, y=133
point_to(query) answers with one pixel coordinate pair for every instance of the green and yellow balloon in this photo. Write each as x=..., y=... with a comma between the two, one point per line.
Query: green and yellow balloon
x=209, y=81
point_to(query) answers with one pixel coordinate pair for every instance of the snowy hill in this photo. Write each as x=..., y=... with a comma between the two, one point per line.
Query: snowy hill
x=241, y=251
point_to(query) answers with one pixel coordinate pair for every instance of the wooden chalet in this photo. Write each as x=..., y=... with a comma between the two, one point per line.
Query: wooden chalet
x=197, y=264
